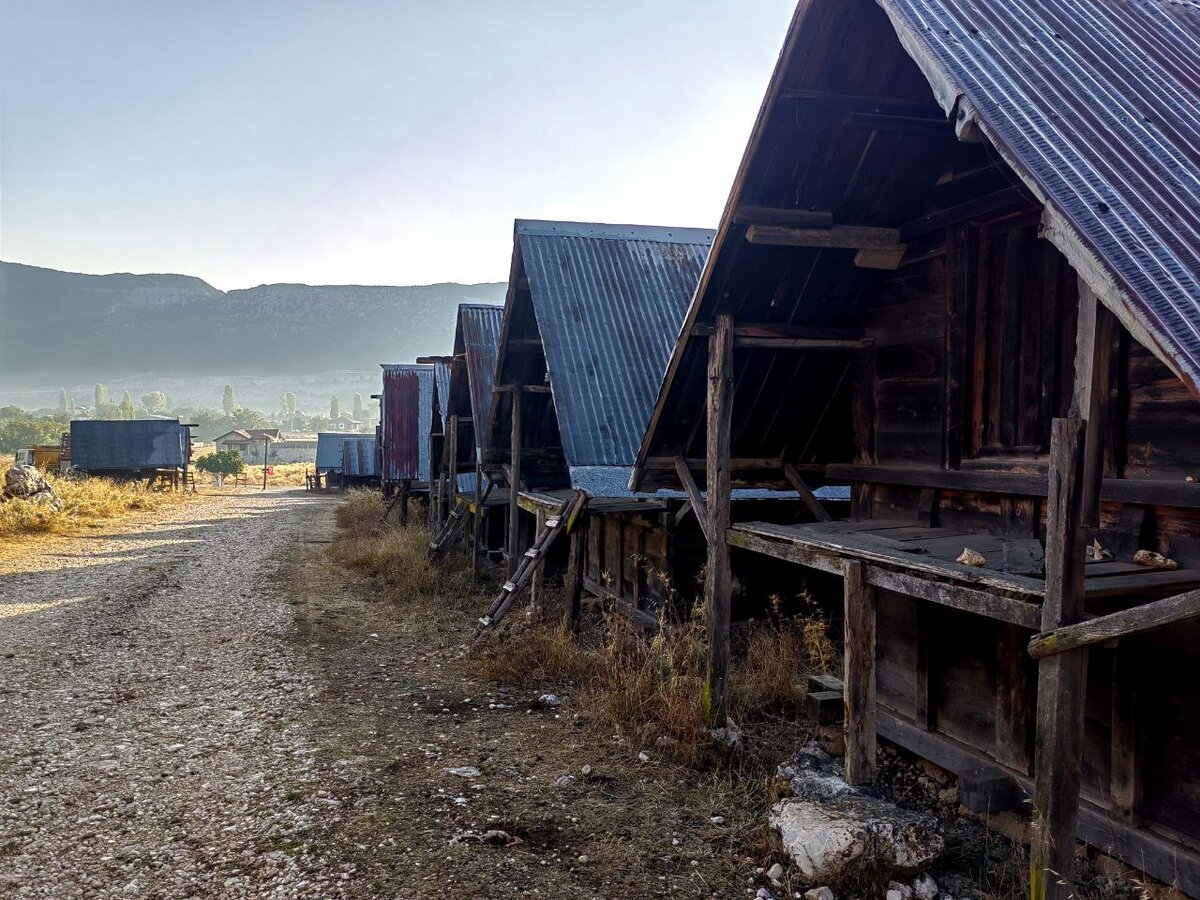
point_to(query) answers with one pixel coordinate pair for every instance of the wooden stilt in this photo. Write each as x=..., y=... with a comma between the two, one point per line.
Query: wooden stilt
x=452, y=462
x=859, y=675
x=575, y=561
x=403, y=500
x=475, y=520
x=1061, y=677
x=537, y=581
x=514, y=489
x=718, y=586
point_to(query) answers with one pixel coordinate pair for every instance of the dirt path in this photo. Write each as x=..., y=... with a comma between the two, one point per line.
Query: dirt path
x=204, y=706
x=151, y=744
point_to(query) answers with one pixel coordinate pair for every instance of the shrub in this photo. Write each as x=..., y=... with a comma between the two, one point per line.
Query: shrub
x=227, y=462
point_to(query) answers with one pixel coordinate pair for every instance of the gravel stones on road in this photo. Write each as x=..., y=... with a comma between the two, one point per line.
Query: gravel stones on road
x=152, y=717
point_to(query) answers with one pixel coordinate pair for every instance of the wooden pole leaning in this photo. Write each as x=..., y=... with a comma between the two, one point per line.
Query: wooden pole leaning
x=718, y=586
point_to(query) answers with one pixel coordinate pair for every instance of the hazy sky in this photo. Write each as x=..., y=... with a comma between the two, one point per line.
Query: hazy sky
x=256, y=141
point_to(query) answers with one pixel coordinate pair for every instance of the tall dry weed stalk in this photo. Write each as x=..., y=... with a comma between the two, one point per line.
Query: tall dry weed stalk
x=397, y=556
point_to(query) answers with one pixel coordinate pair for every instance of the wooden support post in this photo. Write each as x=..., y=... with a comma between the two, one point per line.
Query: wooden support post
x=476, y=518
x=1012, y=698
x=1128, y=735
x=403, y=500
x=859, y=675
x=925, y=680
x=1061, y=677
x=452, y=474
x=1093, y=367
x=514, y=488
x=575, y=561
x=695, y=500
x=718, y=586
x=537, y=582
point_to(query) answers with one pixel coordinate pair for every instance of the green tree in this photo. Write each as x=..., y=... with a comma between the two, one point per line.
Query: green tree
x=156, y=402
x=100, y=397
x=227, y=402
x=289, y=400
x=360, y=411
x=65, y=403
x=125, y=408
x=227, y=462
x=335, y=408
x=19, y=429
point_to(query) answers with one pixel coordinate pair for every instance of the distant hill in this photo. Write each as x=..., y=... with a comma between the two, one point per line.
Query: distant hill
x=62, y=328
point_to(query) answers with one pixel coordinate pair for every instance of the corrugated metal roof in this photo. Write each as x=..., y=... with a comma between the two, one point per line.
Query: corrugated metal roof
x=481, y=341
x=1096, y=104
x=360, y=457
x=406, y=414
x=329, y=451
x=609, y=302
x=99, y=445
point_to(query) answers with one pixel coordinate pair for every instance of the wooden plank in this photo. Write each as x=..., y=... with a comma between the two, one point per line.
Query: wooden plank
x=1145, y=491
x=718, y=587
x=1013, y=712
x=1116, y=625
x=961, y=284
x=514, y=487
x=576, y=557
x=814, y=506
x=973, y=209
x=859, y=675
x=1093, y=373
x=537, y=581
x=476, y=519
x=695, y=500
x=788, y=343
x=1061, y=677
x=765, y=215
x=1127, y=735
x=451, y=482
x=839, y=237
x=1148, y=580
x=924, y=680
x=886, y=258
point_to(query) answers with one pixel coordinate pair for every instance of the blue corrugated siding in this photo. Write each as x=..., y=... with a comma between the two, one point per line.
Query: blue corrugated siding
x=609, y=301
x=1096, y=102
x=99, y=445
x=359, y=457
x=329, y=451
x=441, y=377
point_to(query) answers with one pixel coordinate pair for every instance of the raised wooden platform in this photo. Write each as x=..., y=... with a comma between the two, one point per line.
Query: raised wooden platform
x=920, y=561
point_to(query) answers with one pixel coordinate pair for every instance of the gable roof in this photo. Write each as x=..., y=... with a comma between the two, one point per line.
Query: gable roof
x=477, y=338
x=1096, y=106
x=1059, y=136
x=608, y=301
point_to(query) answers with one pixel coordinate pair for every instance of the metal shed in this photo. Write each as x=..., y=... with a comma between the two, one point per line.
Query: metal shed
x=360, y=457
x=128, y=445
x=329, y=451
x=406, y=418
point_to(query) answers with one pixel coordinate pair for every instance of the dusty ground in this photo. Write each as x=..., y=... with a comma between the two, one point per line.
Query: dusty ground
x=198, y=706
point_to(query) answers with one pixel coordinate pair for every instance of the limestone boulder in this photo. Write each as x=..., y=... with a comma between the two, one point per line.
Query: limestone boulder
x=29, y=484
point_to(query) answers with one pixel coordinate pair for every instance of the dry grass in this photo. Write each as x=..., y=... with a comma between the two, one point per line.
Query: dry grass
x=397, y=557
x=87, y=503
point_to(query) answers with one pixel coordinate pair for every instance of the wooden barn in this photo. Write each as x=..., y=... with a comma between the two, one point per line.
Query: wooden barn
x=590, y=318
x=405, y=422
x=958, y=271
x=469, y=400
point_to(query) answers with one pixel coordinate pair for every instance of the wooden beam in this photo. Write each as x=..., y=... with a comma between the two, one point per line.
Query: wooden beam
x=962, y=260
x=1127, y=735
x=521, y=389
x=976, y=208
x=451, y=475
x=576, y=558
x=887, y=258
x=514, y=487
x=537, y=583
x=1116, y=625
x=403, y=499
x=783, y=343
x=693, y=492
x=784, y=331
x=859, y=103
x=1093, y=374
x=718, y=584
x=476, y=519
x=1013, y=713
x=859, y=675
x=815, y=507
x=658, y=463
x=839, y=237
x=795, y=218
x=1061, y=677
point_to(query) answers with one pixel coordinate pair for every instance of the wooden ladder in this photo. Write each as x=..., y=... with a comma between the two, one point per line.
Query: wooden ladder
x=554, y=526
x=445, y=538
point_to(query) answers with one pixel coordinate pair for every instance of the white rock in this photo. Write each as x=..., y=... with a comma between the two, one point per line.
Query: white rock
x=924, y=887
x=564, y=781
x=720, y=820
x=644, y=757
x=893, y=895
x=586, y=771
x=464, y=771
x=775, y=873
x=854, y=833
x=819, y=893
x=549, y=700
x=903, y=889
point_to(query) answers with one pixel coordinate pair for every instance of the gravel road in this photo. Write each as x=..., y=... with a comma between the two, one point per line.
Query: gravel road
x=153, y=738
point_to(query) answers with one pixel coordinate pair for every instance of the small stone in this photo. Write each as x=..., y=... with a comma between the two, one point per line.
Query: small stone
x=819, y=893
x=583, y=859
x=775, y=873
x=665, y=741
x=971, y=557
x=464, y=771
x=496, y=836
x=720, y=820
x=924, y=887
x=893, y=895
x=904, y=890
x=586, y=771
x=564, y=781
x=643, y=757
x=550, y=700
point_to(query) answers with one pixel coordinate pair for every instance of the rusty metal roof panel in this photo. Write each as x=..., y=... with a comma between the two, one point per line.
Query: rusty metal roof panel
x=609, y=302
x=107, y=445
x=481, y=342
x=1096, y=105
x=360, y=457
x=406, y=414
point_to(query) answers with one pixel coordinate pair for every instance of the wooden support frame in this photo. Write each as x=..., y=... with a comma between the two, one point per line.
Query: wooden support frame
x=576, y=557
x=859, y=674
x=476, y=520
x=1062, y=677
x=839, y=237
x=814, y=506
x=452, y=451
x=695, y=500
x=1093, y=374
x=405, y=488
x=514, y=488
x=718, y=586
x=537, y=581
x=1116, y=625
